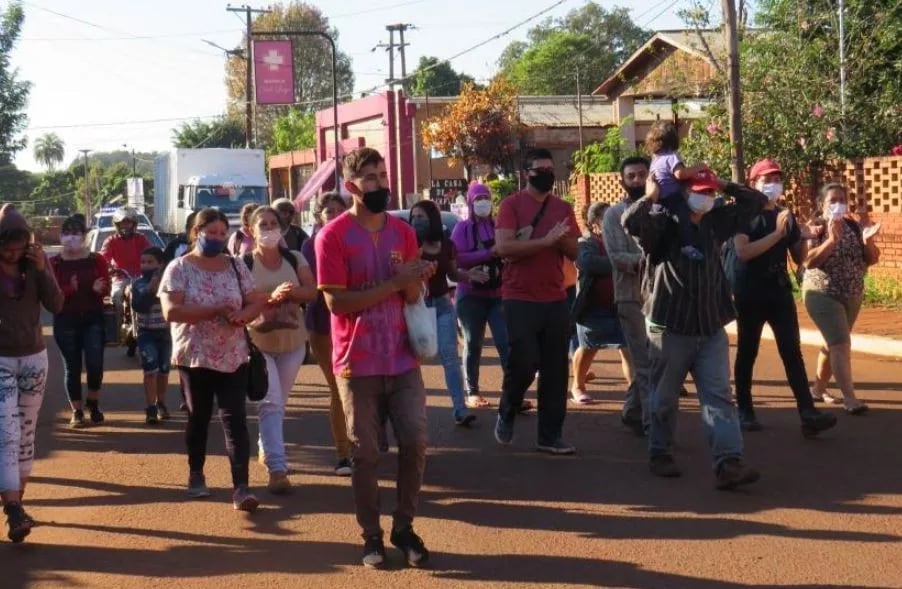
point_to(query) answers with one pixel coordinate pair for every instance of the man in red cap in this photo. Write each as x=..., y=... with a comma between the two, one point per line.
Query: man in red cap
x=687, y=305
x=763, y=294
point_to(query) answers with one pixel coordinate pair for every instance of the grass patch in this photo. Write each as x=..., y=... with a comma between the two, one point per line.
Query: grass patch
x=882, y=291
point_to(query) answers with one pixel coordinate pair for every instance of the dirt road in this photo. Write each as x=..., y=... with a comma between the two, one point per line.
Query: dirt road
x=827, y=512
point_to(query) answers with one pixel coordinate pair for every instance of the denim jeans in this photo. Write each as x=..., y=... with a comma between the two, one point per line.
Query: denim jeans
x=283, y=371
x=80, y=337
x=446, y=320
x=673, y=356
x=539, y=337
x=474, y=312
x=155, y=349
x=780, y=314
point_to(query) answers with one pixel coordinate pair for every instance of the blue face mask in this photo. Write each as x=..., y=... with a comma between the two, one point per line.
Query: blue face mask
x=422, y=227
x=210, y=247
x=148, y=274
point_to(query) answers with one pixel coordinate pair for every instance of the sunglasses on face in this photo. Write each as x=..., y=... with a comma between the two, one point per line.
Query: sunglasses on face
x=539, y=170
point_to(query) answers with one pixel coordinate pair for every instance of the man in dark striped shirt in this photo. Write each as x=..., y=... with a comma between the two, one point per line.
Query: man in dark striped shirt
x=687, y=305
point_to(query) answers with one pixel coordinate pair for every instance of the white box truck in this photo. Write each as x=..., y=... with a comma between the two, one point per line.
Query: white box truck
x=187, y=180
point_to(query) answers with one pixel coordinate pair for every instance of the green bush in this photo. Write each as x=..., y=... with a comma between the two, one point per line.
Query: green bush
x=501, y=188
x=882, y=291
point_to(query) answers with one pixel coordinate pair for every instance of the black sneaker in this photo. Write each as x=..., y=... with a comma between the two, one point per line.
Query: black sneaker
x=634, y=424
x=733, y=472
x=78, y=419
x=17, y=522
x=465, y=420
x=814, y=422
x=197, y=485
x=373, y=552
x=151, y=417
x=558, y=447
x=344, y=468
x=663, y=465
x=748, y=421
x=504, y=432
x=162, y=412
x=94, y=409
x=411, y=545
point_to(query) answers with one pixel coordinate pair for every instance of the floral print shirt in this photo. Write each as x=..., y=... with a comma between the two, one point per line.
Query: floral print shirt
x=213, y=344
x=841, y=275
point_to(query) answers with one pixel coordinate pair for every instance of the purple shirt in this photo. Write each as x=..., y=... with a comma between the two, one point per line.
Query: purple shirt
x=662, y=166
x=316, y=316
x=471, y=252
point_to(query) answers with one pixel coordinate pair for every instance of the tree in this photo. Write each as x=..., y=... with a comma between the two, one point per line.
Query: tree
x=790, y=81
x=590, y=38
x=434, y=77
x=56, y=193
x=312, y=66
x=293, y=131
x=13, y=92
x=481, y=126
x=606, y=155
x=49, y=150
x=224, y=132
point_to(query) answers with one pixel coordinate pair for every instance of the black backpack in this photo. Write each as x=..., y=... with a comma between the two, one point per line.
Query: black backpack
x=248, y=259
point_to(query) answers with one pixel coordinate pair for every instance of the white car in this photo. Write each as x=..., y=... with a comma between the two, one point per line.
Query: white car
x=104, y=220
x=96, y=237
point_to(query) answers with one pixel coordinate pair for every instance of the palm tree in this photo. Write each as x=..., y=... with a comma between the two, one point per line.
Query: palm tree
x=49, y=150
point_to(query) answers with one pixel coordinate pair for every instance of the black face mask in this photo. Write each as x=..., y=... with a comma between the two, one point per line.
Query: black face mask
x=635, y=192
x=376, y=201
x=542, y=181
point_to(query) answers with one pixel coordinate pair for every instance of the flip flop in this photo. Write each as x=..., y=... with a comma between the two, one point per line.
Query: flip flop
x=525, y=407
x=581, y=398
x=478, y=403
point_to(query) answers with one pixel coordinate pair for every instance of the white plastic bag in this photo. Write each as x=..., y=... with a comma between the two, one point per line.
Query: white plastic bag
x=422, y=329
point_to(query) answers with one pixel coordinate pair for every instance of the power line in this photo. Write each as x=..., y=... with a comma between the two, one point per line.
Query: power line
x=111, y=124
x=132, y=37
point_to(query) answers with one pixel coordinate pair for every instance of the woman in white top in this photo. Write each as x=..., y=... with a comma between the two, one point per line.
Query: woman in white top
x=278, y=332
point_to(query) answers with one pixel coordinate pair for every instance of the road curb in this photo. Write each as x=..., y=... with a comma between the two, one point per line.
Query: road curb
x=865, y=344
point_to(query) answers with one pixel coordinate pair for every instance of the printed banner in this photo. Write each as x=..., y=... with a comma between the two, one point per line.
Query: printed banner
x=273, y=72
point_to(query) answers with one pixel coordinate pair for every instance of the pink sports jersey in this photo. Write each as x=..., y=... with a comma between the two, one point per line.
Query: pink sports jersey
x=372, y=342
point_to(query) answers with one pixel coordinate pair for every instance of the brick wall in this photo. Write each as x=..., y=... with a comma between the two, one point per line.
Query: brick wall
x=875, y=196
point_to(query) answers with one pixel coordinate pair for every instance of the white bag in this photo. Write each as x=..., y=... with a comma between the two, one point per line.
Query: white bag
x=422, y=329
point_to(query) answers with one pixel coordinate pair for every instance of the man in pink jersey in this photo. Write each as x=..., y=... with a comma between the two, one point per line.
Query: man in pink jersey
x=368, y=266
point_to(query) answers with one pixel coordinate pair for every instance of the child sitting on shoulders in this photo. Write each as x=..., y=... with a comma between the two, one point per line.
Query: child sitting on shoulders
x=662, y=143
x=154, y=339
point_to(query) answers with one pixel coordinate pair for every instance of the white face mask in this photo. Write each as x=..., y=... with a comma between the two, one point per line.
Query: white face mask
x=72, y=243
x=482, y=208
x=837, y=210
x=772, y=190
x=270, y=239
x=700, y=203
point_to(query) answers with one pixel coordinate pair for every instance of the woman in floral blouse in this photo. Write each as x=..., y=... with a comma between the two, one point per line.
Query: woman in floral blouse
x=208, y=298
x=833, y=286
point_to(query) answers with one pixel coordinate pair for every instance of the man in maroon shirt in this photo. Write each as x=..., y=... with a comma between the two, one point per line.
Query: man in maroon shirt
x=535, y=230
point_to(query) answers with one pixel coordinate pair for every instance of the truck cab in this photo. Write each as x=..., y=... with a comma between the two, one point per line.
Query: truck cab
x=228, y=194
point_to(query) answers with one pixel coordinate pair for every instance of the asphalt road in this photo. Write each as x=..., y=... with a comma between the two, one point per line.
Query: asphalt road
x=827, y=512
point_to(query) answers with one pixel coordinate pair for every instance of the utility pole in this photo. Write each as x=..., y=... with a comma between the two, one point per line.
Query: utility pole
x=734, y=102
x=842, y=58
x=249, y=73
x=393, y=84
x=579, y=107
x=85, y=152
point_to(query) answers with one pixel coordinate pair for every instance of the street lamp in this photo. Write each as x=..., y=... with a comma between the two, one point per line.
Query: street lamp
x=134, y=161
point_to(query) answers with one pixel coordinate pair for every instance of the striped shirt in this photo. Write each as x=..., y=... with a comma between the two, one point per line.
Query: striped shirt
x=687, y=297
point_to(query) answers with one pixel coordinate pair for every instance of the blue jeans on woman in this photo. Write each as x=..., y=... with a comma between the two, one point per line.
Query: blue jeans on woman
x=446, y=320
x=474, y=313
x=80, y=340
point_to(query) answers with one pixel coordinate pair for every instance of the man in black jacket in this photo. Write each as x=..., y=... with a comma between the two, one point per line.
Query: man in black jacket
x=293, y=235
x=686, y=308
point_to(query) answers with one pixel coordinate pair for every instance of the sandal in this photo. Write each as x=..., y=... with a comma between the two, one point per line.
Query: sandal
x=477, y=402
x=525, y=407
x=581, y=397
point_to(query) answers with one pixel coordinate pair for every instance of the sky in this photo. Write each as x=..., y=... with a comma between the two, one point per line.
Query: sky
x=108, y=73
